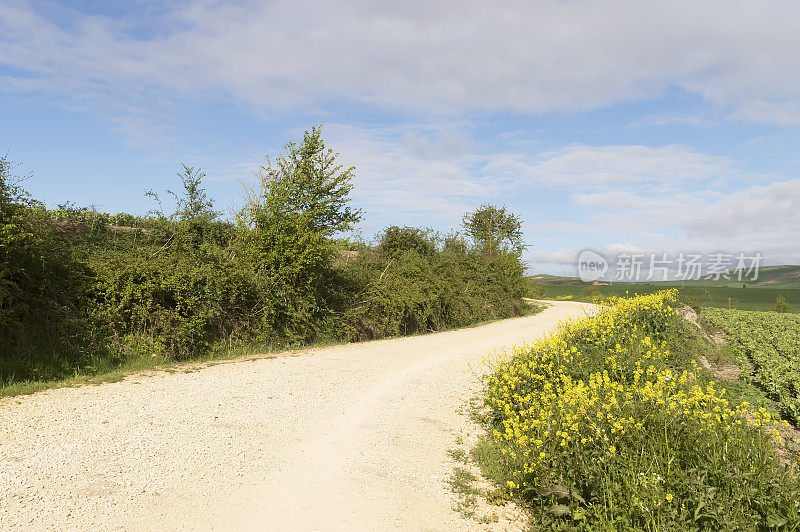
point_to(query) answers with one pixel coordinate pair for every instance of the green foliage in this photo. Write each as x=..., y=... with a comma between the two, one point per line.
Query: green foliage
x=781, y=305
x=176, y=304
x=768, y=343
x=454, y=243
x=193, y=202
x=305, y=189
x=286, y=227
x=412, y=292
x=397, y=240
x=44, y=291
x=593, y=294
x=194, y=211
x=86, y=292
x=494, y=230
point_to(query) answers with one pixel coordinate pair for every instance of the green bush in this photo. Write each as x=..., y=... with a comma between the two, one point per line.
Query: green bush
x=45, y=299
x=413, y=292
x=397, y=240
x=781, y=305
x=177, y=304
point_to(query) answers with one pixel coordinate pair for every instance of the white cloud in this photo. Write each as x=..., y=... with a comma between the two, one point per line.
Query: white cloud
x=420, y=56
x=600, y=166
x=758, y=218
x=436, y=173
x=692, y=120
x=413, y=174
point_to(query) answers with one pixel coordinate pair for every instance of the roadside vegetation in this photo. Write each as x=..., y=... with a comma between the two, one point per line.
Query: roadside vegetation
x=85, y=293
x=611, y=424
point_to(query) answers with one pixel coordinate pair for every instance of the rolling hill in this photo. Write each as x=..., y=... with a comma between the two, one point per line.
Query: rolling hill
x=786, y=276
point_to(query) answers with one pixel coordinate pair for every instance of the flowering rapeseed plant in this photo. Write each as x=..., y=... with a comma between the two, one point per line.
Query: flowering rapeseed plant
x=639, y=436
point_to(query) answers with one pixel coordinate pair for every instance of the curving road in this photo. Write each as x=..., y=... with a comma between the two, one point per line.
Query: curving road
x=352, y=437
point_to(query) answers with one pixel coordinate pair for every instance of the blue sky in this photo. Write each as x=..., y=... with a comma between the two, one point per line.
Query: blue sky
x=617, y=126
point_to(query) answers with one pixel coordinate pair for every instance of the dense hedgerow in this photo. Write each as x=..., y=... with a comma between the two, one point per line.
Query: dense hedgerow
x=608, y=425
x=46, y=322
x=86, y=292
x=408, y=292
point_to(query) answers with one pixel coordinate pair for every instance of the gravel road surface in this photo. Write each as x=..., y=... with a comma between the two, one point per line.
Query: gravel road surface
x=352, y=437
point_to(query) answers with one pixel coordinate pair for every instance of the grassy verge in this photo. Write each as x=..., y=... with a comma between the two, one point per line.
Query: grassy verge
x=611, y=424
x=105, y=370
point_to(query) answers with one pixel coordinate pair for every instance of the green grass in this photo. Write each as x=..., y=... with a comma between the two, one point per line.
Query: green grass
x=104, y=370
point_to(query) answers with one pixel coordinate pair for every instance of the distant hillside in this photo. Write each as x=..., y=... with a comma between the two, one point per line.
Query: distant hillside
x=555, y=279
x=784, y=276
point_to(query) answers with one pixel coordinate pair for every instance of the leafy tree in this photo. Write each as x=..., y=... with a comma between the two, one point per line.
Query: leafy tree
x=494, y=230
x=304, y=188
x=193, y=203
x=300, y=202
x=781, y=305
x=194, y=210
x=395, y=240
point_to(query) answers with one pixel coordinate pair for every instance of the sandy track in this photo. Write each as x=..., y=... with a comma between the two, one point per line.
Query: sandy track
x=352, y=437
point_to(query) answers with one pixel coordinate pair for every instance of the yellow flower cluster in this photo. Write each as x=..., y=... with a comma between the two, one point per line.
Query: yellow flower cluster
x=586, y=391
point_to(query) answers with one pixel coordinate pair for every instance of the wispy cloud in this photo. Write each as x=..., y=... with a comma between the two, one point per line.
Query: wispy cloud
x=420, y=56
x=691, y=120
x=583, y=167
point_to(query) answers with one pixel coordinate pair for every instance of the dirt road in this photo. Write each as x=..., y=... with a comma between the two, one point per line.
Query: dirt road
x=352, y=437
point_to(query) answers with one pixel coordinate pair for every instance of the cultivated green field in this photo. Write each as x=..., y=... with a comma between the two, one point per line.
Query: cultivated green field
x=768, y=345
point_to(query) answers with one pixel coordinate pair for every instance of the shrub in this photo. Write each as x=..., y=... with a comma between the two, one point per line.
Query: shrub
x=44, y=290
x=285, y=230
x=83, y=291
x=177, y=304
x=781, y=305
x=413, y=292
x=397, y=240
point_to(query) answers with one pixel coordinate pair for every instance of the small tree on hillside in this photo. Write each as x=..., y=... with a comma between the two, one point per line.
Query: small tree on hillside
x=494, y=230
x=194, y=210
x=193, y=203
x=300, y=201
